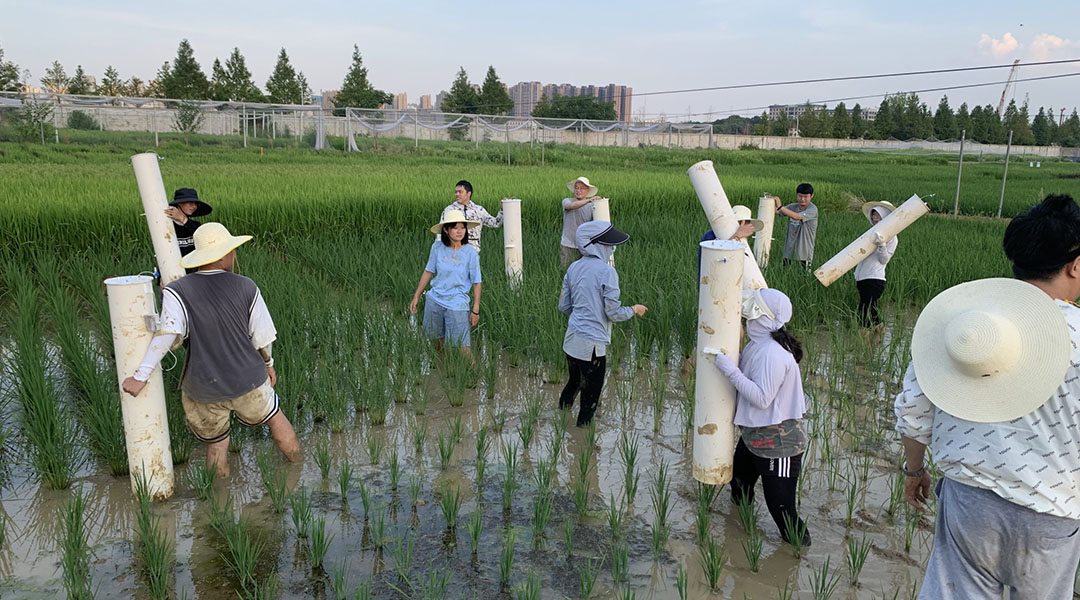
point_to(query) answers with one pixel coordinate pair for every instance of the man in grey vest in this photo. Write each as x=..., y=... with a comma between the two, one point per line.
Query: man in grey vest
x=229, y=364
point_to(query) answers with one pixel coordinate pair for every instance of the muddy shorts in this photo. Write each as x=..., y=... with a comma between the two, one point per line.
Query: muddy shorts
x=442, y=323
x=209, y=422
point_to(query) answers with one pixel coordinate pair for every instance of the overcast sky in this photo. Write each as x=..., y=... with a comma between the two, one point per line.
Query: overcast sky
x=417, y=46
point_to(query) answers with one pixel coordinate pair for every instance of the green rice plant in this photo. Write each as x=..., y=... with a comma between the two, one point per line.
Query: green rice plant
x=243, y=549
x=850, y=502
x=627, y=593
x=322, y=456
x=588, y=571
x=568, y=536
x=681, y=581
x=529, y=421
x=339, y=584
x=395, y=470
x=446, y=451
x=712, y=557
x=317, y=543
x=202, y=478
x=363, y=590
x=687, y=382
x=528, y=589
x=420, y=400
x=300, y=511
x=590, y=438
x=509, y=486
x=457, y=376
x=374, y=448
x=267, y=590
x=540, y=517
x=795, y=534
x=419, y=439
x=911, y=525
x=483, y=443
x=748, y=516
x=345, y=477
x=450, y=503
x=491, y=367
x=753, y=545
x=786, y=592
x=220, y=513
x=3, y=529
x=628, y=453
x=856, y=557
x=475, y=526
x=401, y=555
x=273, y=480
x=506, y=561
x=660, y=495
x=378, y=527
x=456, y=430
x=544, y=474
x=615, y=518
x=415, y=484
x=433, y=587
x=579, y=493
x=620, y=561
x=365, y=497
x=75, y=548
x=659, y=535
x=658, y=389
x=154, y=549
x=498, y=419
x=822, y=582
x=481, y=470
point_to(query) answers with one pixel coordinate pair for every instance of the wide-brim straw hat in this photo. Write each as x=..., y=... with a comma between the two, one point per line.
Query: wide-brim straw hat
x=742, y=213
x=869, y=206
x=190, y=195
x=453, y=216
x=585, y=180
x=212, y=243
x=990, y=350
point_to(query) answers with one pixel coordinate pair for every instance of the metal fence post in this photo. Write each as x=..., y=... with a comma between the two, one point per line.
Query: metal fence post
x=1005, y=174
x=959, y=172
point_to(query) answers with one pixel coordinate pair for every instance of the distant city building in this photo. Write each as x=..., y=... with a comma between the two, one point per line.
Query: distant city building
x=792, y=111
x=439, y=99
x=425, y=102
x=401, y=101
x=526, y=95
x=620, y=96
x=327, y=100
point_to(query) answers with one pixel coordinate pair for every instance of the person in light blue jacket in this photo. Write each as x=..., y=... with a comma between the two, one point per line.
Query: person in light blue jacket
x=590, y=297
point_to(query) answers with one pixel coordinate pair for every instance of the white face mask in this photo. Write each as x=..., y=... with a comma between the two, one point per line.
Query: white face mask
x=753, y=306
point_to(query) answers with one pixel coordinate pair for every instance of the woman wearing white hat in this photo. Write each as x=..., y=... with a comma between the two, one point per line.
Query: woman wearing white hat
x=452, y=267
x=576, y=211
x=769, y=411
x=870, y=272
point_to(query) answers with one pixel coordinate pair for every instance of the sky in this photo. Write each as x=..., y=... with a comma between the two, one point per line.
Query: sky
x=417, y=46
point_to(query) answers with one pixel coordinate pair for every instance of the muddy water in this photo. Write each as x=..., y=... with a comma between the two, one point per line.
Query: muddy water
x=29, y=560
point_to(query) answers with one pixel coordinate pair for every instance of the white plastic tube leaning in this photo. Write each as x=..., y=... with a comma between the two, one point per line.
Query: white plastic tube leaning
x=718, y=210
x=602, y=212
x=889, y=227
x=146, y=425
x=154, y=201
x=512, y=243
x=766, y=213
x=719, y=314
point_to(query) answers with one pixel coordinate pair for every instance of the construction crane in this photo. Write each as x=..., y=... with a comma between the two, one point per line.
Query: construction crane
x=1008, y=82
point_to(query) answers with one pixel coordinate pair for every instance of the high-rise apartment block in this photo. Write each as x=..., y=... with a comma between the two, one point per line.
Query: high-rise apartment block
x=425, y=102
x=527, y=94
x=401, y=101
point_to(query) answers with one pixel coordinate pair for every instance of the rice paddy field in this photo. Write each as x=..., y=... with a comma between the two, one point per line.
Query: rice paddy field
x=425, y=476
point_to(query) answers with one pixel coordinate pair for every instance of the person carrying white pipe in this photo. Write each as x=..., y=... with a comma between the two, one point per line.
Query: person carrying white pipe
x=452, y=267
x=769, y=410
x=590, y=297
x=229, y=367
x=870, y=272
x=802, y=226
x=184, y=206
x=576, y=211
x=993, y=388
x=475, y=213
x=748, y=225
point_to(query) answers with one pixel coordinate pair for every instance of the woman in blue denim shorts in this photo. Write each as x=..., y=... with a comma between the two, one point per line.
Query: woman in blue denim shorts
x=453, y=265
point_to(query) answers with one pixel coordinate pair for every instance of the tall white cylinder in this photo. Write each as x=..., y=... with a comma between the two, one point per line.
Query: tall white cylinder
x=146, y=426
x=154, y=201
x=766, y=213
x=602, y=212
x=863, y=246
x=719, y=314
x=721, y=217
x=512, y=242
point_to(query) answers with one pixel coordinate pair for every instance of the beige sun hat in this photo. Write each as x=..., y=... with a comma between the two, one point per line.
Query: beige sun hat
x=869, y=206
x=585, y=180
x=212, y=242
x=453, y=216
x=742, y=213
x=990, y=350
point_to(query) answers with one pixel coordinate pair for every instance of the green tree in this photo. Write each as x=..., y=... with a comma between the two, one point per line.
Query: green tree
x=980, y=128
x=810, y=122
x=184, y=79
x=1017, y=120
x=236, y=83
x=80, y=83
x=56, y=79
x=963, y=121
x=1040, y=128
x=494, y=99
x=1069, y=132
x=884, y=125
x=9, y=75
x=858, y=122
x=764, y=126
x=305, y=90
x=356, y=90
x=1054, y=125
x=780, y=125
x=575, y=107
x=461, y=98
x=945, y=121
x=218, y=89
x=841, y=122
x=283, y=86
x=996, y=133
x=135, y=87
x=156, y=87
x=111, y=83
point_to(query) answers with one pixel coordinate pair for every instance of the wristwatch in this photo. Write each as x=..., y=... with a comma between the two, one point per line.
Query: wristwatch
x=916, y=473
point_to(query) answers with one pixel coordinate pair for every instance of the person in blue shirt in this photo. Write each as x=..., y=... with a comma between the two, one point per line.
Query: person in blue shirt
x=452, y=267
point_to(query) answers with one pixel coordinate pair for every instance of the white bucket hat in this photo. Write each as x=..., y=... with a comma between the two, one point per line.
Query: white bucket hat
x=585, y=180
x=869, y=206
x=742, y=213
x=453, y=216
x=990, y=350
x=212, y=242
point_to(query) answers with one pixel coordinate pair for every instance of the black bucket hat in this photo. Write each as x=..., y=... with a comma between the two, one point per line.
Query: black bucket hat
x=609, y=237
x=190, y=195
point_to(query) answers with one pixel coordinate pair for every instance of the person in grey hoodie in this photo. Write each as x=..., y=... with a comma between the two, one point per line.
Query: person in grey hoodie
x=590, y=297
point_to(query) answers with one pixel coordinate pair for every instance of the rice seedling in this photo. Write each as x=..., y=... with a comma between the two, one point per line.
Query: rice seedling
x=795, y=535
x=786, y=592
x=378, y=527
x=322, y=456
x=75, y=548
x=658, y=389
x=374, y=448
x=267, y=590
x=540, y=517
x=660, y=495
x=155, y=550
x=220, y=513
x=627, y=593
x=506, y=560
x=498, y=419
x=395, y=470
x=491, y=367
x=419, y=439
x=615, y=519
x=339, y=584
x=317, y=543
x=273, y=480
x=823, y=582
x=588, y=571
x=753, y=545
x=659, y=536
x=243, y=549
x=365, y=497
x=686, y=397
x=446, y=451
x=300, y=511
x=456, y=378
x=712, y=557
x=475, y=526
x=911, y=524
x=748, y=516
x=345, y=477
x=202, y=478
x=681, y=581
x=568, y=536
x=450, y=503
x=415, y=484
x=401, y=555
x=420, y=400
x=527, y=429
x=480, y=470
x=628, y=452
x=456, y=430
x=363, y=590
x=528, y=589
x=620, y=561
x=434, y=587
x=856, y=557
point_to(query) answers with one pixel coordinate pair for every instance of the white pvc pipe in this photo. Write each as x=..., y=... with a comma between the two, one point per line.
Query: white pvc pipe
x=602, y=212
x=512, y=242
x=719, y=314
x=846, y=259
x=146, y=426
x=722, y=218
x=154, y=201
x=766, y=213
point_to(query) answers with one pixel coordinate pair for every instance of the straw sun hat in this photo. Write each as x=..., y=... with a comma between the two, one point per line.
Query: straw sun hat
x=453, y=216
x=742, y=213
x=990, y=350
x=585, y=180
x=212, y=242
x=869, y=206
